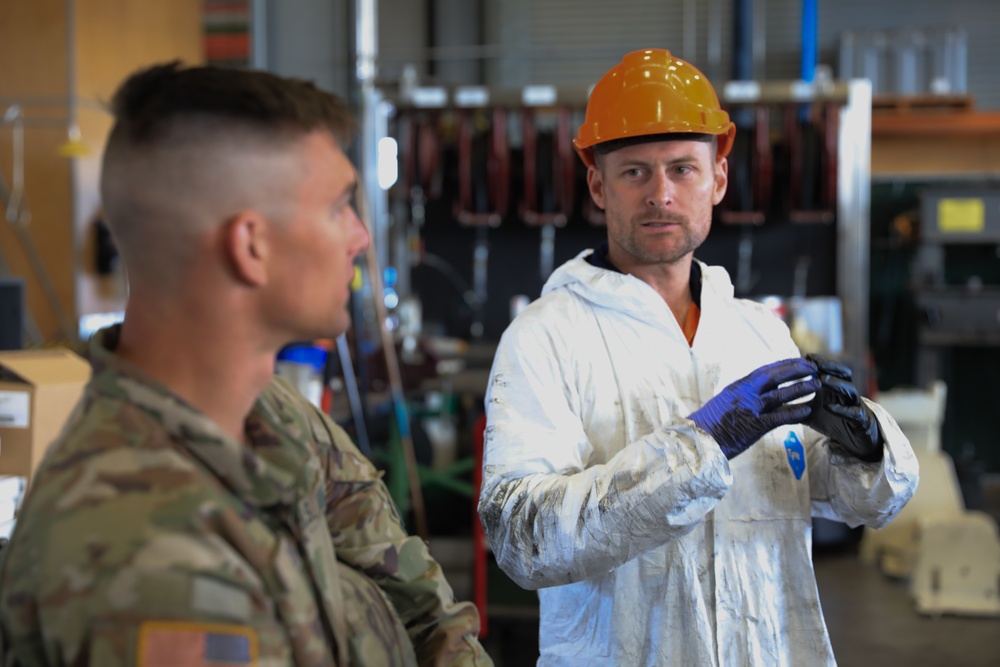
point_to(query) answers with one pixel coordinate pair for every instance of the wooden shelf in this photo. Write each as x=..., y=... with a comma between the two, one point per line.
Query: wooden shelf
x=937, y=122
x=935, y=144
x=922, y=103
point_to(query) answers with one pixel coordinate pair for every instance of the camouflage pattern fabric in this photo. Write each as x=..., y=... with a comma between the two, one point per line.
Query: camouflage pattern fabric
x=145, y=513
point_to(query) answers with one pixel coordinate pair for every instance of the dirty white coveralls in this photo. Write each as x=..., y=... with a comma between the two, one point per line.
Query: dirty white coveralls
x=647, y=546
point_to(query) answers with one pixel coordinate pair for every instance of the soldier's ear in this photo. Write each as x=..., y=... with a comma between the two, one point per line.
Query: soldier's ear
x=247, y=246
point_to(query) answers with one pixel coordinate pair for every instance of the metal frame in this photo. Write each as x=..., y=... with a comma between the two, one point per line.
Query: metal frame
x=854, y=221
x=853, y=193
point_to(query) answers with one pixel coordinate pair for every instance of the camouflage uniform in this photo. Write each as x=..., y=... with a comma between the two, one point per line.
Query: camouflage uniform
x=147, y=528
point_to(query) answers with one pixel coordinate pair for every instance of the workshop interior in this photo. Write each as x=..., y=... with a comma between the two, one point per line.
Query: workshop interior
x=863, y=209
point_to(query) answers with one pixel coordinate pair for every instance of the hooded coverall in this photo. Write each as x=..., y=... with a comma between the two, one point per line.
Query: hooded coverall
x=647, y=545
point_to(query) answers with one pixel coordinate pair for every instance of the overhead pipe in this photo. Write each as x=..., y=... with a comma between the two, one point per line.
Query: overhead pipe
x=749, y=172
x=813, y=140
x=810, y=48
x=742, y=56
x=810, y=39
x=713, y=39
x=759, y=44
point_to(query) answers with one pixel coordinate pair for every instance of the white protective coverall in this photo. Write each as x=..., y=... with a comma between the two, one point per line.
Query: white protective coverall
x=647, y=545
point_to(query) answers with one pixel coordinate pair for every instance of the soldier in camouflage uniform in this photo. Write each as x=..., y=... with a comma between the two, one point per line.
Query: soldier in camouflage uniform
x=196, y=510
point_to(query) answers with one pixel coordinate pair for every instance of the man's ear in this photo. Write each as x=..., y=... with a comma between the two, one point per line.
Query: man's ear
x=721, y=173
x=595, y=183
x=247, y=246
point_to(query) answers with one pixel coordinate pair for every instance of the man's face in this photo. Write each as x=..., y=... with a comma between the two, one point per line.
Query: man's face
x=658, y=200
x=316, y=245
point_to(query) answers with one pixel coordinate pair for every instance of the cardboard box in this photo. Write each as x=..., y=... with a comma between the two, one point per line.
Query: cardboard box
x=38, y=391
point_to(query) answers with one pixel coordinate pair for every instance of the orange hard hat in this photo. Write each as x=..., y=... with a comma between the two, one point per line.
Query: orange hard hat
x=652, y=92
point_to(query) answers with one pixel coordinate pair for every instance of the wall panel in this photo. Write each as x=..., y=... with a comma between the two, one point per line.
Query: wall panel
x=571, y=42
x=61, y=59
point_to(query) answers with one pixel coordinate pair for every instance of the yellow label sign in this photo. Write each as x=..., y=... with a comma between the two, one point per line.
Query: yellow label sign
x=961, y=215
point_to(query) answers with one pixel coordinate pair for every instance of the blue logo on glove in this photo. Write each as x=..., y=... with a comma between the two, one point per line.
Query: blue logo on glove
x=796, y=454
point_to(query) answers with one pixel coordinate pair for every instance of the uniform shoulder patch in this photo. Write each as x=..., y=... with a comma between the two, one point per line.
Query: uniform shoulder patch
x=170, y=643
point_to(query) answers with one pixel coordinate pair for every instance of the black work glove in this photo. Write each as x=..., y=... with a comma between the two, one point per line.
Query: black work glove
x=839, y=414
x=743, y=412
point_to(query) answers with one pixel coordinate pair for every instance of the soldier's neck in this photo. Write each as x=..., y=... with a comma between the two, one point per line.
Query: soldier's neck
x=213, y=366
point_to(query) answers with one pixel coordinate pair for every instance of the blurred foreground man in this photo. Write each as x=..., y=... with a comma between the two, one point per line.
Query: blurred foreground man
x=655, y=448
x=197, y=511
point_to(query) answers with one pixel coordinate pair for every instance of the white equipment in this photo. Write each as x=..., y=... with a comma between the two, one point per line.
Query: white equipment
x=957, y=565
x=951, y=555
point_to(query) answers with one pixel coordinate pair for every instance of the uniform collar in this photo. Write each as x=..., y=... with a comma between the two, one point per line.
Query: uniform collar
x=263, y=474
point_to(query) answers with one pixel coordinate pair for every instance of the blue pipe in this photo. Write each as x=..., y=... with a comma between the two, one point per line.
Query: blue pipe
x=742, y=55
x=742, y=40
x=810, y=48
x=810, y=39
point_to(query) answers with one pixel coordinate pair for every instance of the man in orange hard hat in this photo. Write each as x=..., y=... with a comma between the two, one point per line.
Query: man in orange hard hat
x=652, y=457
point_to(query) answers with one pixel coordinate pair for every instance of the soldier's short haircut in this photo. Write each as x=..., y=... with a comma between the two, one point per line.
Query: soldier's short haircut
x=192, y=146
x=152, y=102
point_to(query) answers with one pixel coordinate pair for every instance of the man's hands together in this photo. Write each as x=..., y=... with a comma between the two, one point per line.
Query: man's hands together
x=743, y=412
x=838, y=413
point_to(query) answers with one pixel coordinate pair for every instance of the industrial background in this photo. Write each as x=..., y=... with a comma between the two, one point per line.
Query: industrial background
x=864, y=207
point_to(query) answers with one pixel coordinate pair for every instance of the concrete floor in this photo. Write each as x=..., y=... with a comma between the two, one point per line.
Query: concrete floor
x=871, y=618
x=872, y=621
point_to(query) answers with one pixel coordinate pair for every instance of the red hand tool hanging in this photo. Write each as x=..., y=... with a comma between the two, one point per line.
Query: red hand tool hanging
x=549, y=170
